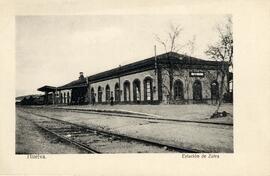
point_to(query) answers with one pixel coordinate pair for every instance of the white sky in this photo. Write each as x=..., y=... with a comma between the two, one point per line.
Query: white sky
x=52, y=50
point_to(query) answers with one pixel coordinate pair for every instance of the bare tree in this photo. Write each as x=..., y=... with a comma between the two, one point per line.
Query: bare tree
x=174, y=44
x=170, y=43
x=222, y=51
x=190, y=48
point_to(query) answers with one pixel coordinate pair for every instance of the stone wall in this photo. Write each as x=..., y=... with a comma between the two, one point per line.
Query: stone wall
x=184, y=76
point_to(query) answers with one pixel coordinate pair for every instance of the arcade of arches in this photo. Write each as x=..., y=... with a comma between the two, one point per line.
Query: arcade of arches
x=136, y=95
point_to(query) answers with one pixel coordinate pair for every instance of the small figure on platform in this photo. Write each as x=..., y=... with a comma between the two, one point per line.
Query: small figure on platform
x=93, y=99
x=111, y=100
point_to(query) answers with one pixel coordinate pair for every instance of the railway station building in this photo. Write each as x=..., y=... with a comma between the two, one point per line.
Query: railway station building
x=166, y=78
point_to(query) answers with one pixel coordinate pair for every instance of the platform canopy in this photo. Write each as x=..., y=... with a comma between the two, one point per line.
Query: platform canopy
x=47, y=89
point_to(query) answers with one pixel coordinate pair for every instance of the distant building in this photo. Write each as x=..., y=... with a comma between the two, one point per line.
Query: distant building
x=30, y=100
x=166, y=78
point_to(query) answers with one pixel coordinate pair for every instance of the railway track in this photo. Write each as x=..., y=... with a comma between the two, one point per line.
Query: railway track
x=99, y=141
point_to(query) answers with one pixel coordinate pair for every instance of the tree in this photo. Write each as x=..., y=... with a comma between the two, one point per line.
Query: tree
x=173, y=44
x=222, y=51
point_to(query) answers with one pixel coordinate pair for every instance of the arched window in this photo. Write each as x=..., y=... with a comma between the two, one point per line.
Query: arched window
x=64, y=97
x=117, y=93
x=126, y=91
x=214, y=90
x=108, y=94
x=99, y=94
x=178, y=90
x=148, y=89
x=136, y=91
x=231, y=86
x=197, y=90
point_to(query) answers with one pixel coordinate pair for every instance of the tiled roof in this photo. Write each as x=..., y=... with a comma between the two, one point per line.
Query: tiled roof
x=148, y=63
x=73, y=84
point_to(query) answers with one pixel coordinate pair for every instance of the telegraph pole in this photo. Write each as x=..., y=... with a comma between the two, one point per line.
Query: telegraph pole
x=155, y=50
x=119, y=91
x=156, y=73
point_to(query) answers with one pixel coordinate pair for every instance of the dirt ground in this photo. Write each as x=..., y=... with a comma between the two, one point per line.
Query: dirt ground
x=193, y=112
x=203, y=137
x=32, y=140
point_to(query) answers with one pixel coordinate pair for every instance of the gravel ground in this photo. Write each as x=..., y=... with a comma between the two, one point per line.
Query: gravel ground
x=206, y=137
x=197, y=112
x=32, y=140
x=109, y=144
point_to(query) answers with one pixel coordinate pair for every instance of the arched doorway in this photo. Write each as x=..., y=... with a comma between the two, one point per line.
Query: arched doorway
x=197, y=90
x=136, y=91
x=148, y=89
x=214, y=91
x=126, y=91
x=64, y=97
x=68, y=98
x=108, y=93
x=99, y=94
x=93, y=97
x=178, y=90
x=61, y=98
x=117, y=92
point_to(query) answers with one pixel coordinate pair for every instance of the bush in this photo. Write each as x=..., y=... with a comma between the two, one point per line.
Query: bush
x=228, y=97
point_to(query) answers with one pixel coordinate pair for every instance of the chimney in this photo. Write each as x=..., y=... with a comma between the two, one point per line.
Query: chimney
x=81, y=75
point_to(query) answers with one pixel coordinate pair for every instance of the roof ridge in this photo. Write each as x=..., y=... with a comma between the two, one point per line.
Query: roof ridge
x=135, y=65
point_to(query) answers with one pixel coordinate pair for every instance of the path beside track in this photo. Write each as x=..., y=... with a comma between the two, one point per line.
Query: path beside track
x=201, y=137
